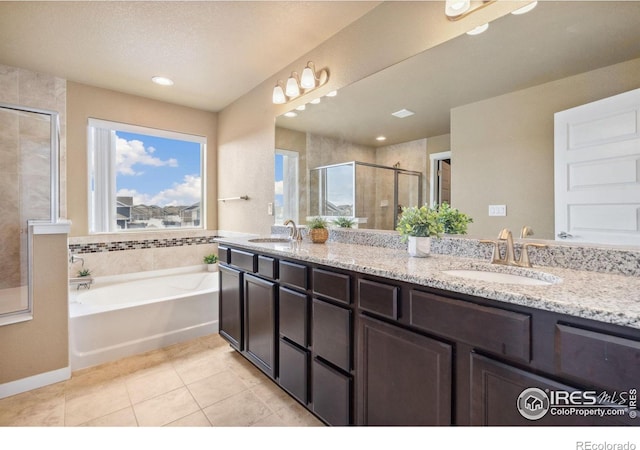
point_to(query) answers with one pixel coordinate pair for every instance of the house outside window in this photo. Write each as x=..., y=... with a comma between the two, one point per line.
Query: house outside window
x=144, y=179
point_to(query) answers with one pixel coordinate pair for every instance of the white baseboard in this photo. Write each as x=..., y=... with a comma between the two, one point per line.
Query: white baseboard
x=34, y=382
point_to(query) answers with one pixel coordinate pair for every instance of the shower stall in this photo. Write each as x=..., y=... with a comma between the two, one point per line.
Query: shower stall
x=29, y=148
x=372, y=194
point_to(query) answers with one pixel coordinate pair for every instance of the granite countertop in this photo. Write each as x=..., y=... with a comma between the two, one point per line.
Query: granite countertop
x=603, y=297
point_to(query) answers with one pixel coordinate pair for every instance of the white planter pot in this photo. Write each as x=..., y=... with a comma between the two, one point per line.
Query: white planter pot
x=212, y=267
x=419, y=247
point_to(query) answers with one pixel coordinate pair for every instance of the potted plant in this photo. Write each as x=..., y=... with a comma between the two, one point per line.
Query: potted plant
x=84, y=273
x=417, y=225
x=454, y=221
x=212, y=262
x=318, y=230
x=344, y=222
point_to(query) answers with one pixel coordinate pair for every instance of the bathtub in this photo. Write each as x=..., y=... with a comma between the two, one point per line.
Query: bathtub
x=125, y=315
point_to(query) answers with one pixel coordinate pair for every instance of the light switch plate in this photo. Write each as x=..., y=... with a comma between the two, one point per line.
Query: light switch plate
x=497, y=210
x=270, y=208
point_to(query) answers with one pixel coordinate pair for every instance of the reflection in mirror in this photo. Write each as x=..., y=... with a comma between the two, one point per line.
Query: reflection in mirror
x=371, y=194
x=28, y=163
x=488, y=99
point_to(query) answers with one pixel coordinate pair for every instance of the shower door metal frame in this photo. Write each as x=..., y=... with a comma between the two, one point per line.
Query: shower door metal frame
x=54, y=211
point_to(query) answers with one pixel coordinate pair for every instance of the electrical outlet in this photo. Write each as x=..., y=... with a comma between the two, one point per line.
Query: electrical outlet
x=497, y=210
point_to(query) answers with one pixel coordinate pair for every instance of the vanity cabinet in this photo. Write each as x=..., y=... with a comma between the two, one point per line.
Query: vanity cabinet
x=358, y=349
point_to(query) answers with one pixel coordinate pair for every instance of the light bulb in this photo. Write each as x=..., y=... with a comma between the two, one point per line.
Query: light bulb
x=308, y=78
x=278, y=95
x=292, y=89
x=525, y=9
x=454, y=8
x=478, y=29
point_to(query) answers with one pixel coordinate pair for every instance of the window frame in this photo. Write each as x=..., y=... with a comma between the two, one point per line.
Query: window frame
x=111, y=218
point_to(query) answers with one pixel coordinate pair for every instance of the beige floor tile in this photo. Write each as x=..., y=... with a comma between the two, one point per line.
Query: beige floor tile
x=165, y=408
x=197, y=419
x=122, y=418
x=249, y=373
x=199, y=366
x=297, y=416
x=33, y=410
x=216, y=388
x=241, y=410
x=270, y=393
x=100, y=400
x=153, y=383
x=272, y=420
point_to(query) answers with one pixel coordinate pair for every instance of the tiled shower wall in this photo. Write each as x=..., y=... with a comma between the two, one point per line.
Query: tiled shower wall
x=24, y=157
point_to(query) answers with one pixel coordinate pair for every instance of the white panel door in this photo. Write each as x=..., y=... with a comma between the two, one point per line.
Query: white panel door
x=597, y=171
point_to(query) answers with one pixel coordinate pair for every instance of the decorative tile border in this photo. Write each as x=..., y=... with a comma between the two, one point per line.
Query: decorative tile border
x=116, y=246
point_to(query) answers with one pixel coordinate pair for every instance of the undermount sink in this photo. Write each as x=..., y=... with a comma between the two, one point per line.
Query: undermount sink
x=270, y=240
x=533, y=279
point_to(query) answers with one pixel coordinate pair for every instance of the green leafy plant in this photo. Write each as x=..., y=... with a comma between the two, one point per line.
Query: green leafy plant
x=420, y=222
x=210, y=259
x=454, y=221
x=84, y=272
x=344, y=222
x=316, y=223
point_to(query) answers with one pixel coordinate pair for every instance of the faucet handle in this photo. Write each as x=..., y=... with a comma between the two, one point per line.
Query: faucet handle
x=495, y=254
x=524, y=254
x=526, y=231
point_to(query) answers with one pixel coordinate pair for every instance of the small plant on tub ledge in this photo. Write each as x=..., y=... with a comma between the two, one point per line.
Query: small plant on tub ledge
x=84, y=273
x=212, y=262
x=344, y=222
x=417, y=225
x=318, y=230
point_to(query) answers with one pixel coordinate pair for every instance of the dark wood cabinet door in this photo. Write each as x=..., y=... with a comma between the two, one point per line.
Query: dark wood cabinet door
x=497, y=393
x=230, y=306
x=331, y=333
x=331, y=394
x=294, y=370
x=294, y=316
x=260, y=323
x=404, y=378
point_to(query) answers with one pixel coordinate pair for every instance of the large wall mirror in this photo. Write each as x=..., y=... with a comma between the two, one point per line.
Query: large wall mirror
x=483, y=108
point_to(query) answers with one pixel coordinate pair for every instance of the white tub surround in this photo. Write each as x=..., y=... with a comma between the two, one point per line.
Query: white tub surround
x=125, y=315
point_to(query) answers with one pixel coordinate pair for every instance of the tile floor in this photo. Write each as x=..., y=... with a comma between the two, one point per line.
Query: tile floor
x=199, y=383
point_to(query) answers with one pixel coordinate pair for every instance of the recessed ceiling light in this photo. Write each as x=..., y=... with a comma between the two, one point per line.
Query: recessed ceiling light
x=478, y=29
x=381, y=138
x=162, y=81
x=403, y=113
x=525, y=9
x=291, y=114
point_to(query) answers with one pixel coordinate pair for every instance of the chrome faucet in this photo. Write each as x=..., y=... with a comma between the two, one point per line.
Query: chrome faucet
x=295, y=234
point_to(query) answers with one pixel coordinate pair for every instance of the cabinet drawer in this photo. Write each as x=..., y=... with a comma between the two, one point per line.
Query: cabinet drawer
x=294, y=370
x=501, y=332
x=243, y=260
x=332, y=333
x=267, y=267
x=597, y=358
x=331, y=394
x=294, y=316
x=223, y=254
x=378, y=298
x=294, y=275
x=331, y=285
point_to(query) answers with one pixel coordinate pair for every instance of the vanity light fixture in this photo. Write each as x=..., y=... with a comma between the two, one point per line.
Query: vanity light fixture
x=381, y=138
x=291, y=114
x=315, y=101
x=458, y=9
x=301, y=108
x=332, y=94
x=299, y=85
x=162, y=81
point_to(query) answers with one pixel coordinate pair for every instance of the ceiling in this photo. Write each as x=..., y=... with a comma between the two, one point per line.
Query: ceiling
x=215, y=51
x=556, y=40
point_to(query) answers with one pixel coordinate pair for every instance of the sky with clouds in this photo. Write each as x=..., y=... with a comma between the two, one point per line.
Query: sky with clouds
x=158, y=171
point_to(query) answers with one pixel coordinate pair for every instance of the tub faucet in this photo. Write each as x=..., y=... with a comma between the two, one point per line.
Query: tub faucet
x=295, y=234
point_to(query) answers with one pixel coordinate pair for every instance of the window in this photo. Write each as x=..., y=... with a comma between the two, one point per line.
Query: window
x=286, y=188
x=144, y=179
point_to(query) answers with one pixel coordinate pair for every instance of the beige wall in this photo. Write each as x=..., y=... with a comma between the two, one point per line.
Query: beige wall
x=40, y=345
x=502, y=149
x=388, y=34
x=85, y=101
